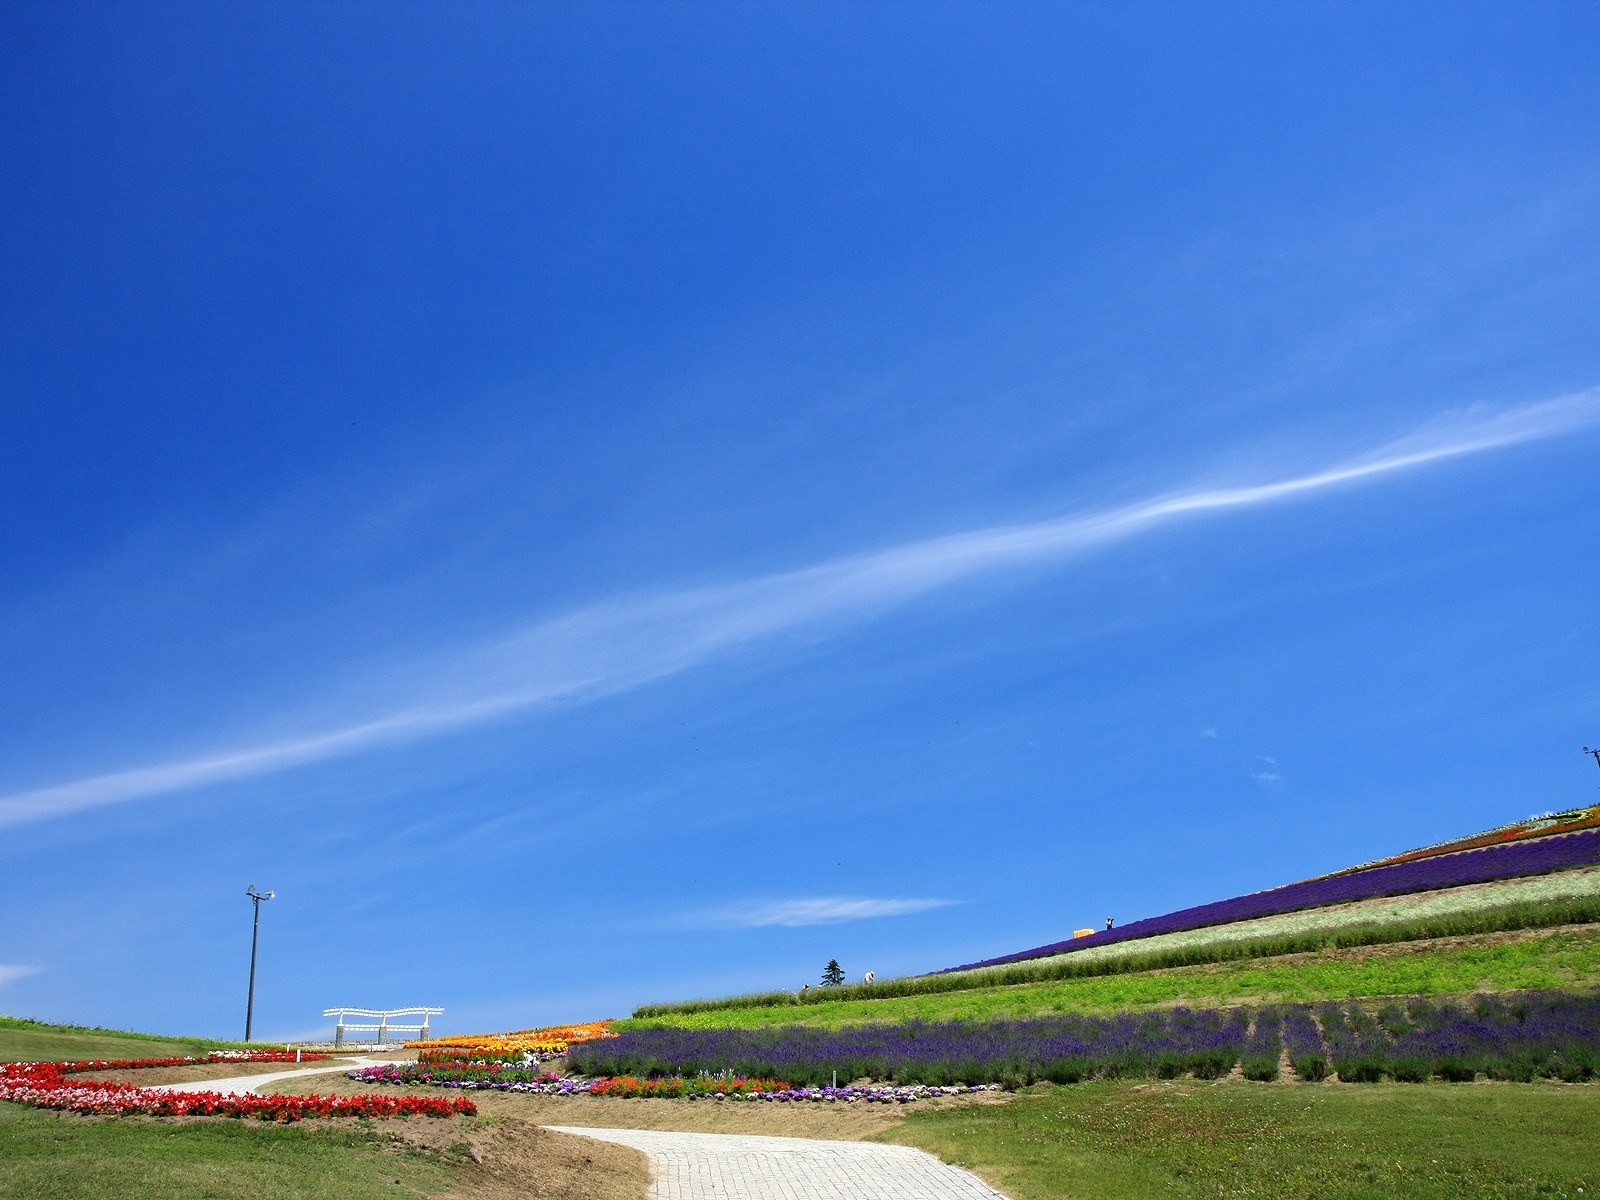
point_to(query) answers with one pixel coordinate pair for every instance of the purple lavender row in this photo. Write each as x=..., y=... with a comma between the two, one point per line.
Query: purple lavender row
x=1532, y=857
x=1063, y=1049
x=1521, y=1036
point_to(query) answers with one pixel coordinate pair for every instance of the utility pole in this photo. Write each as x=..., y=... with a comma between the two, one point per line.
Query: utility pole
x=1594, y=754
x=255, y=933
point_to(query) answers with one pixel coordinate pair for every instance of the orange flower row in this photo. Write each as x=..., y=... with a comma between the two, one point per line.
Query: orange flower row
x=551, y=1039
x=1571, y=821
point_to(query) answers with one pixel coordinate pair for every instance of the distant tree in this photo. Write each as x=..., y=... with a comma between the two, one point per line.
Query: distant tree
x=832, y=974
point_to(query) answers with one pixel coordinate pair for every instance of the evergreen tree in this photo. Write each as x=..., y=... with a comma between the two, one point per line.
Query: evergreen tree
x=832, y=974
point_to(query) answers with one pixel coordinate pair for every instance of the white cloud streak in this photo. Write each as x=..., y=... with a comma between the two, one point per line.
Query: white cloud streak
x=820, y=910
x=11, y=973
x=625, y=643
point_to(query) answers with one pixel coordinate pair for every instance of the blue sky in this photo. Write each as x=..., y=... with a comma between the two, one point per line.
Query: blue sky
x=599, y=504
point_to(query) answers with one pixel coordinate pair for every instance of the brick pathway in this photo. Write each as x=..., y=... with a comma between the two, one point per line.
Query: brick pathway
x=722, y=1166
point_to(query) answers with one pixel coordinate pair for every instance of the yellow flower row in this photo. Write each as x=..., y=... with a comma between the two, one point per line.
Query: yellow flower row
x=552, y=1039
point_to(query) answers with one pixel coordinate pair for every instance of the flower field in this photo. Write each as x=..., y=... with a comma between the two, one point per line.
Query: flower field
x=1518, y=1037
x=1579, y=883
x=1544, y=1035
x=1505, y=861
x=1529, y=903
x=1569, y=821
x=49, y=1085
x=486, y=1077
x=524, y=1045
x=452, y=1073
x=1064, y=1049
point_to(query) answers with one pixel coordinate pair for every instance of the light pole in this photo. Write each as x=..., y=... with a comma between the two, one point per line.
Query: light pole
x=255, y=932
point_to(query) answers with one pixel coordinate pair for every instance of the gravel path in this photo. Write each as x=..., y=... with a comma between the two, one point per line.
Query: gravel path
x=722, y=1166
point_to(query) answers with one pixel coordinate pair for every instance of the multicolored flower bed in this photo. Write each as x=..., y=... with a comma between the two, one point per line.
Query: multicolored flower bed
x=628, y=1087
x=1526, y=1036
x=1569, y=821
x=631, y=1087
x=525, y=1045
x=48, y=1085
x=1530, y=857
x=447, y=1073
x=475, y=1077
x=858, y=1093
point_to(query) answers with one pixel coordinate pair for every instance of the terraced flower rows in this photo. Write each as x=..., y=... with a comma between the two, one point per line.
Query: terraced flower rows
x=523, y=1045
x=1579, y=883
x=1506, y=861
x=1569, y=821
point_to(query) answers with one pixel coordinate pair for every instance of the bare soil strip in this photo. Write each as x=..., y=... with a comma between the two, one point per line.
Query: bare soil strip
x=516, y=1160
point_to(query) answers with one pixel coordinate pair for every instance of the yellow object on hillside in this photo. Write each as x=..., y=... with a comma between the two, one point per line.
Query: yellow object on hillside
x=552, y=1039
x=1082, y=932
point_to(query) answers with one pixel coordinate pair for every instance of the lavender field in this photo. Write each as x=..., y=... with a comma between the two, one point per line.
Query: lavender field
x=1508, y=861
x=1520, y=1036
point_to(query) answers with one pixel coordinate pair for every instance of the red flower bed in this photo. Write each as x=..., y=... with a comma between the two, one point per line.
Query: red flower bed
x=46, y=1085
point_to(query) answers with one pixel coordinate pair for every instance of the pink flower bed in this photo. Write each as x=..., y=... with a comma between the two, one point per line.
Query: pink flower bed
x=48, y=1085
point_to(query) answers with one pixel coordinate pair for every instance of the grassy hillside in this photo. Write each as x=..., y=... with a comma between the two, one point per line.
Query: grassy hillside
x=49, y=1156
x=1529, y=903
x=1538, y=902
x=1125, y=1141
x=1565, y=957
x=23, y=1040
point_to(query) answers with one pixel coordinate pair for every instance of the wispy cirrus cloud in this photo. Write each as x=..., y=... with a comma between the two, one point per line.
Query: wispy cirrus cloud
x=1268, y=773
x=10, y=973
x=632, y=640
x=818, y=910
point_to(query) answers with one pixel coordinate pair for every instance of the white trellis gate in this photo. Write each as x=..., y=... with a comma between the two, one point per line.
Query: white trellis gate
x=383, y=1022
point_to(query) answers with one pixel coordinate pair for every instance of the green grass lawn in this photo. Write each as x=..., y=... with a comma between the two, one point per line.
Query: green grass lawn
x=1138, y=1141
x=36, y=1041
x=1560, y=958
x=49, y=1156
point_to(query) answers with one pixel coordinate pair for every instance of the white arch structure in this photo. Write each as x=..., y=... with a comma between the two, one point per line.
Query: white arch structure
x=381, y=1021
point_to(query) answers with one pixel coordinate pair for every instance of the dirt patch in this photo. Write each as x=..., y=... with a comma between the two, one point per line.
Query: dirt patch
x=520, y=1161
x=196, y=1072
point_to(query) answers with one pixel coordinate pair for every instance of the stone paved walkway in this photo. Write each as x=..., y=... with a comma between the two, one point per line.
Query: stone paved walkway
x=722, y=1166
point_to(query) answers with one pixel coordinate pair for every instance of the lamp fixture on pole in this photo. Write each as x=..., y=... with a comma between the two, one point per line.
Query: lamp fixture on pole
x=255, y=932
